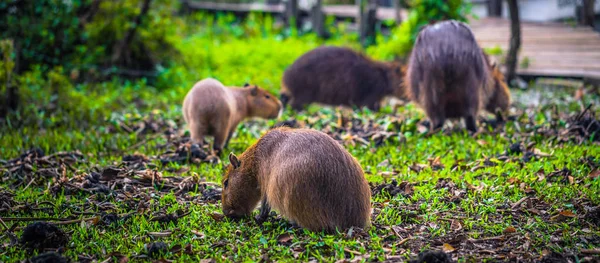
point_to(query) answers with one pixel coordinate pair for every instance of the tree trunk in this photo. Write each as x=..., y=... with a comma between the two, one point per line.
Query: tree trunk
x=515, y=41
x=585, y=13
x=291, y=13
x=318, y=19
x=495, y=8
x=121, y=47
x=398, y=18
x=367, y=23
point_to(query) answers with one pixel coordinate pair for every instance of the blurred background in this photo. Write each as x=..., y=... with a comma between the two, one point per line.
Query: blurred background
x=75, y=63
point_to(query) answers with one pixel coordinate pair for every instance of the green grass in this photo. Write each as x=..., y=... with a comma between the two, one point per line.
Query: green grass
x=463, y=200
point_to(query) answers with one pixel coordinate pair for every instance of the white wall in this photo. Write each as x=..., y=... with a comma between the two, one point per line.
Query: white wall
x=537, y=10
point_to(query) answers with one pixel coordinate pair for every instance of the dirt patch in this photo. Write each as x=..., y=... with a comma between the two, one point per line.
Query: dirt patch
x=48, y=258
x=432, y=257
x=157, y=249
x=393, y=189
x=42, y=235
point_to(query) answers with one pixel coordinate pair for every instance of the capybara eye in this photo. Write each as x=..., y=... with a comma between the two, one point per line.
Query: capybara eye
x=267, y=96
x=225, y=183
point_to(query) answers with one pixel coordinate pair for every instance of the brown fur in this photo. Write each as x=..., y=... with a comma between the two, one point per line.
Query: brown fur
x=449, y=76
x=212, y=109
x=305, y=175
x=340, y=76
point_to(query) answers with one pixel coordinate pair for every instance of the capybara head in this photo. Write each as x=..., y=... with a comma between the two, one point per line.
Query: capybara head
x=261, y=103
x=500, y=99
x=396, y=77
x=240, y=189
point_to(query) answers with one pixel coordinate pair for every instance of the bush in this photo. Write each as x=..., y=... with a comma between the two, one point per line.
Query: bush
x=83, y=34
x=422, y=12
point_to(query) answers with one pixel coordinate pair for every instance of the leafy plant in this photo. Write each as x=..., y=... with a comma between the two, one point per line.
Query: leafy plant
x=422, y=12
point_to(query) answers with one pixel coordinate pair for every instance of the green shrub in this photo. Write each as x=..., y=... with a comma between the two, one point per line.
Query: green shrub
x=422, y=12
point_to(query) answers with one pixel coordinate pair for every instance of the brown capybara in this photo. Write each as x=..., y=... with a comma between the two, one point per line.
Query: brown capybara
x=212, y=109
x=449, y=75
x=305, y=175
x=340, y=76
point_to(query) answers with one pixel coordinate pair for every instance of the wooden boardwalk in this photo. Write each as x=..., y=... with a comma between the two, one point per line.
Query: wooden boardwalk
x=551, y=49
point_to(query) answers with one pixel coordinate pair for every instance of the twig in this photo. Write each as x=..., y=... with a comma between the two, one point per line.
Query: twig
x=404, y=241
x=519, y=202
x=3, y=224
x=486, y=239
x=30, y=182
x=594, y=251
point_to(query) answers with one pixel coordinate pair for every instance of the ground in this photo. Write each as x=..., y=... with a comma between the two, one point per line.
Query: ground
x=137, y=190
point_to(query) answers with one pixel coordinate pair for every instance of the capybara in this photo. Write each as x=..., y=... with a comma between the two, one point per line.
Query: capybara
x=212, y=109
x=340, y=76
x=303, y=174
x=449, y=76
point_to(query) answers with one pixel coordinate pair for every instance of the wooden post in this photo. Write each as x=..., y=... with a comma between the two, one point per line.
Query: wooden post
x=494, y=8
x=515, y=41
x=318, y=19
x=291, y=13
x=396, y=5
x=585, y=12
x=368, y=22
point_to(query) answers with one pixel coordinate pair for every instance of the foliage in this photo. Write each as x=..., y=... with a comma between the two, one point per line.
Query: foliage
x=422, y=12
x=79, y=35
x=465, y=189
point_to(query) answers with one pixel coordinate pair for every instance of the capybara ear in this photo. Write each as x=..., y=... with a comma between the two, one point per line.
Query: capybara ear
x=246, y=84
x=254, y=91
x=234, y=161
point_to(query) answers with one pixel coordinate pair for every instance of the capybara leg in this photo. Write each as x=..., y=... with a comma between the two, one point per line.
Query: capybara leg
x=374, y=106
x=228, y=138
x=285, y=99
x=197, y=132
x=471, y=123
x=265, y=209
x=436, y=119
x=296, y=106
x=499, y=116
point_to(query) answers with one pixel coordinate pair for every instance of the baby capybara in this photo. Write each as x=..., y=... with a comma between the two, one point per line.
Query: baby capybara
x=303, y=174
x=449, y=76
x=340, y=76
x=212, y=109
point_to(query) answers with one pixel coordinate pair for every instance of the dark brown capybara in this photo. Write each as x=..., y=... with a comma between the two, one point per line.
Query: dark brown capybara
x=303, y=174
x=340, y=76
x=449, y=76
x=212, y=109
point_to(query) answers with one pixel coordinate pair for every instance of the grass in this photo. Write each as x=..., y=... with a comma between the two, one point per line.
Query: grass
x=465, y=194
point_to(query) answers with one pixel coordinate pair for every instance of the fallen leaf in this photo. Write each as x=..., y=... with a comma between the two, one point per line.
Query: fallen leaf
x=160, y=234
x=540, y=153
x=594, y=174
x=567, y=213
x=448, y=248
x=509, y=230
x=217, y=217
x=579, y=93
x=285, y=238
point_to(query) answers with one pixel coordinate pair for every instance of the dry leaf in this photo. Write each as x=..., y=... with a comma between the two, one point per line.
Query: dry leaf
x=579, y=93
x=509, y=230
x=284, y=238
x=448, y=248
x=540, y=153
x=567, y=213
x=160, y=234
x=217, y=217
x=594, y=174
